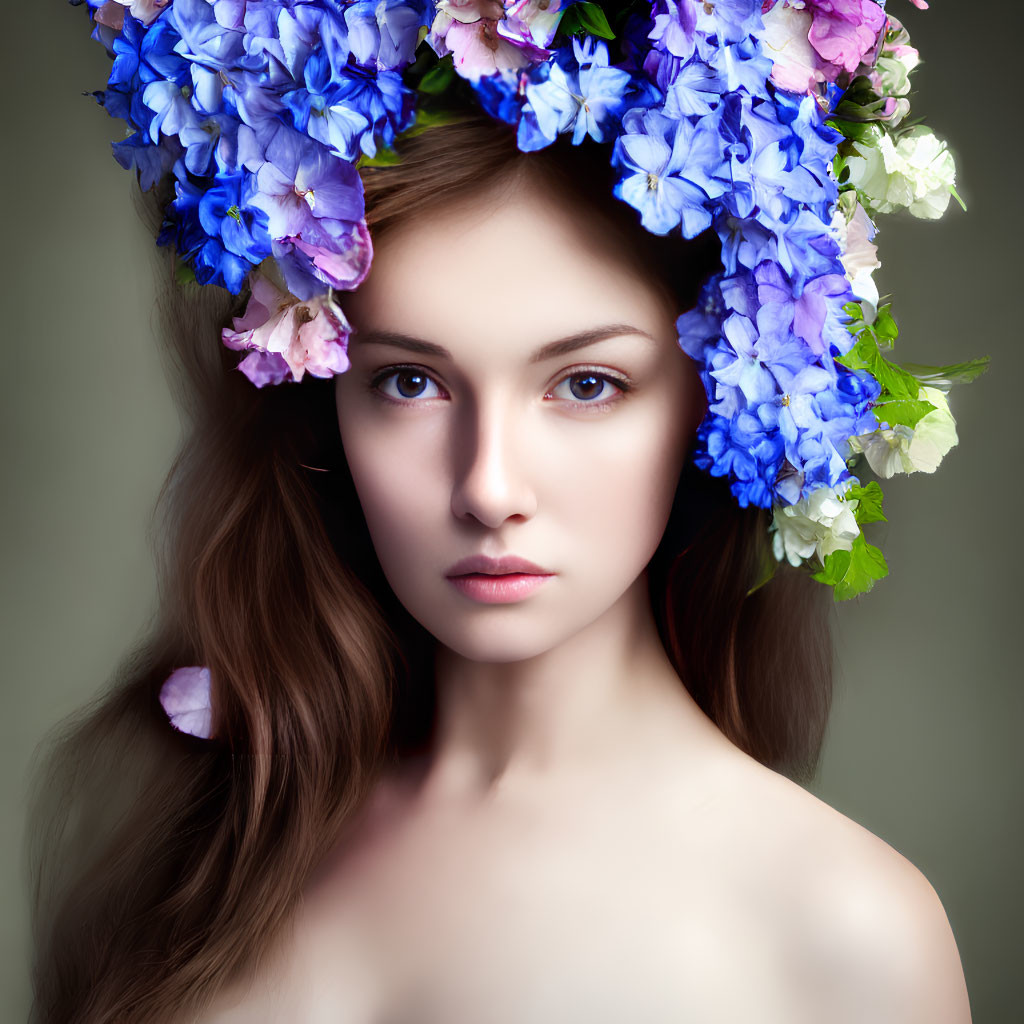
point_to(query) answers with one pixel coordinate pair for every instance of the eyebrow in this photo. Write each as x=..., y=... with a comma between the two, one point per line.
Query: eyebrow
x=561, y=347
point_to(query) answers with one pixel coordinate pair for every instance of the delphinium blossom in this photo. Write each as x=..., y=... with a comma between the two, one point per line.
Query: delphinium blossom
x=777, y=126
x=581, y=97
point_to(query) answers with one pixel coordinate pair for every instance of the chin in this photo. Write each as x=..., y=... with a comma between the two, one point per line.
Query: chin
x=496, y=643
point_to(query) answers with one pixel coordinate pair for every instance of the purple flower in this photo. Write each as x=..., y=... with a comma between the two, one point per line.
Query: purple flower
x=314, y=206
x=185, y=698
x=385, y=33
x=675, y=24
x=286, y=339
x=204, y=39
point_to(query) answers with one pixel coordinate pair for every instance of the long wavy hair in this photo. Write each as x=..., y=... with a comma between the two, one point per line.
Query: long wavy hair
x=163, y=866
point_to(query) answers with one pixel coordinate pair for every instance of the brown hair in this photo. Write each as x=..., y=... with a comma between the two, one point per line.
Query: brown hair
x=162, y=866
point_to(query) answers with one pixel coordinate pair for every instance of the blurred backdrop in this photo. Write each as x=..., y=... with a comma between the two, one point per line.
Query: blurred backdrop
x=924, y=746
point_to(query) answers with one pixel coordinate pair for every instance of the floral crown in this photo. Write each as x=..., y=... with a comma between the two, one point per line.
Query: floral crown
x=781, y=126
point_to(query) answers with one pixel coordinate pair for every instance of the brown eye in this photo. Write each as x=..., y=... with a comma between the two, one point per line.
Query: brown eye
x=410, y=383
x=587, y=387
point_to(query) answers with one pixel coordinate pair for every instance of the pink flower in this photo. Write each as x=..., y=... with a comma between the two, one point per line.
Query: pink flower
x=844, y=32
x=533, y=21
x=819, y=40
x=481, y=39
x=111, y=13
x=286, y=337
x=796, y=66
x=185, y=697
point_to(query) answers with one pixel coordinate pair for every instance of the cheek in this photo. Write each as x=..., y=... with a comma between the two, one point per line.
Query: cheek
x=398, y=475
x=614, y=488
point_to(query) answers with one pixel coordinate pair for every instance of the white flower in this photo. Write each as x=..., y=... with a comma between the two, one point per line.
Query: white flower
x=917, y=172
x=893, y=70
x=859, y=255
x=903, y=449
x=794, y=61
x=819, y=524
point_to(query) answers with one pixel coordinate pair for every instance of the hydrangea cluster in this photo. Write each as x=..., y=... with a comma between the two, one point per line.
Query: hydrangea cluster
x=779, y=126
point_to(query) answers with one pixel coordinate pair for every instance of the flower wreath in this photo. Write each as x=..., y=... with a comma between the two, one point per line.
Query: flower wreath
x=781, y=126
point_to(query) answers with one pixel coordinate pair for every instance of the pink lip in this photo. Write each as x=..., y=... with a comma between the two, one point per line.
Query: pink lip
x=496, y=580
x=495, y=566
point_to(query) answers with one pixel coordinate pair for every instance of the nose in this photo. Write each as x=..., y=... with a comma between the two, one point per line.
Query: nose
x=491, y=478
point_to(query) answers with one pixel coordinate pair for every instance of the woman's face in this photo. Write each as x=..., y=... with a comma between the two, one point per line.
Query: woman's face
x=516, y=392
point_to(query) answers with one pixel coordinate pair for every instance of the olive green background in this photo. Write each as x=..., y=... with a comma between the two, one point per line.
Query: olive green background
x=924, y=746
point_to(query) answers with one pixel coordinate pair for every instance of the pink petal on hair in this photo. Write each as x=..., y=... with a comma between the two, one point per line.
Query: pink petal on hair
x=185, y=697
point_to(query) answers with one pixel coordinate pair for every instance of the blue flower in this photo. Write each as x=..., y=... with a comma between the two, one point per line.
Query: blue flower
x=203, y=38
x=743, y=450
x=674, y=28
x=502, y=94
x=141, y=56
x=209, y=257
x=227, y=213
x=583, y=98
x=149, y=161
x=695, y=89
x=385, y=33
x=672, y=169
x=730, y=21
x=352, y=110
x=172, y=109
x=211, y=144
x=742, y=67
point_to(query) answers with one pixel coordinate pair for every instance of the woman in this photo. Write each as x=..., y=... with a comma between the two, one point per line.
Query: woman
x=433, y=794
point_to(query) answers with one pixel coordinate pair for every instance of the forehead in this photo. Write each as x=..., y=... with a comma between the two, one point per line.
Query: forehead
x=510, y=266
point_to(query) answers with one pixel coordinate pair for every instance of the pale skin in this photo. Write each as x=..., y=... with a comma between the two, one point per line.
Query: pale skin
x=581, y=843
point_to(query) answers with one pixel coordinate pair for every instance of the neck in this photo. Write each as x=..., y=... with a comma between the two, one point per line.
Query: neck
x=607, y=695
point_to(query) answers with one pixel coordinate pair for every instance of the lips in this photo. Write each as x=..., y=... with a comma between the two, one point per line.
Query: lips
x=485, y=566
x=497, y=580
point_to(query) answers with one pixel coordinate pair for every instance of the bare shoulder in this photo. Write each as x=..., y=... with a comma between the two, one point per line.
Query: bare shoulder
x=866, y=926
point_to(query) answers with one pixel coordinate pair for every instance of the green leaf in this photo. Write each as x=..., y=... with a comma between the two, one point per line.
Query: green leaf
x=438, y=78
x=905, y=411
x=431, y=119
x=585, y=19
x=765, y=573
x=885, y=327
x=184, y=274
x=385, y=157
x=956, y=196
x=855, y=130
x=895, y=381
x=869, y=502
x=855, y=571
x=945, y=376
